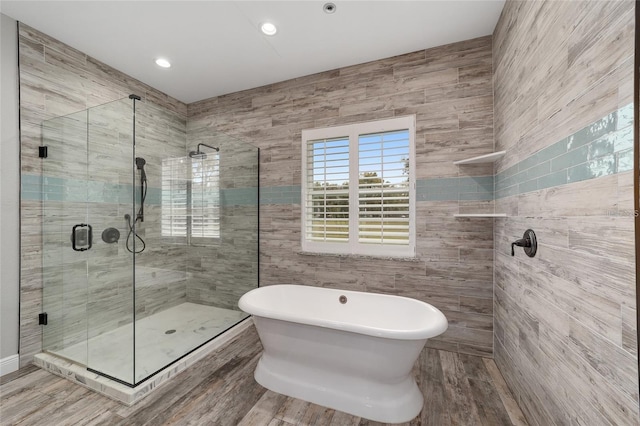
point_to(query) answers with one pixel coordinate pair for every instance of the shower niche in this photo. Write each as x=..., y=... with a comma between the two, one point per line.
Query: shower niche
x=149, y=237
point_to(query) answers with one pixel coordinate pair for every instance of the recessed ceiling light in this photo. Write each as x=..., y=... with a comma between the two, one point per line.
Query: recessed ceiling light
x=268, y=28
x=164, y=63
x=329, y=8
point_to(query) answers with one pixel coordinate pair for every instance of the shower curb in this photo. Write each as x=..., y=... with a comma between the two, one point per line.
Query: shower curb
x=130, y=395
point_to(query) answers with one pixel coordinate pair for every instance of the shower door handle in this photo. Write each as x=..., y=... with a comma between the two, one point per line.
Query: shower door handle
x=81, y=235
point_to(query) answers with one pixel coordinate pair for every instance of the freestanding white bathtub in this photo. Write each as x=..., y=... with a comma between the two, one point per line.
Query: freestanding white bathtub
x=345, y=350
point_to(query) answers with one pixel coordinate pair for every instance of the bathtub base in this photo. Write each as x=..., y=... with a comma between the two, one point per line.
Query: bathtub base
x=347, y=350
x=381, y=402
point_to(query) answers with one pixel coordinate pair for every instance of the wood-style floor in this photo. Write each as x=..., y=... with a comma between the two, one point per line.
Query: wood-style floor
x=220, y=390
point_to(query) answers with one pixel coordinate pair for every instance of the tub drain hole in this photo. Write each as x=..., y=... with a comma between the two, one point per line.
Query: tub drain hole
x=343, y=299
x=170, y=331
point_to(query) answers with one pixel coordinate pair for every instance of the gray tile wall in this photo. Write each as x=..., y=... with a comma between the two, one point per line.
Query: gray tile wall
x=565, y=330
x=449, y=88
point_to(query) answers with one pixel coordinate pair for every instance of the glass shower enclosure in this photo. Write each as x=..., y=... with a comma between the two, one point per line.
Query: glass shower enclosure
x=149, y=233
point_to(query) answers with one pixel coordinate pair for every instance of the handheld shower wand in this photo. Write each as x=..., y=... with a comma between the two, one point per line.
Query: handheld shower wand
x=140, y=162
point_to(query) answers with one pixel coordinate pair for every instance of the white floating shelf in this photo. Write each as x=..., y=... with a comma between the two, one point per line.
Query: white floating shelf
x=481, y=215
x=487, y=158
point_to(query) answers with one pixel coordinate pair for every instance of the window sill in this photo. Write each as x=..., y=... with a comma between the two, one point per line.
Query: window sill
x=359, y=256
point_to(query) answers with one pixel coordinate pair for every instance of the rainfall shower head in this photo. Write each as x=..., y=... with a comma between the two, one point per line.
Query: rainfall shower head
x=198, y=153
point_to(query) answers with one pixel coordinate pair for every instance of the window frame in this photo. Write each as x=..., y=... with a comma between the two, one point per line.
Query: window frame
x=353, y=132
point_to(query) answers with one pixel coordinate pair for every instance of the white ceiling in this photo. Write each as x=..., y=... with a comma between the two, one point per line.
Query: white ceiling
x=217, y=48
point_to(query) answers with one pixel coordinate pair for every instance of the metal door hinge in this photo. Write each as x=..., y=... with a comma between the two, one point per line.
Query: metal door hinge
x=43, y=151
x=43, y=318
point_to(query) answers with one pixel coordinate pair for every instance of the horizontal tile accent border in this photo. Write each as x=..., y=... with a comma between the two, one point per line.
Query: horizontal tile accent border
x=74, y=190
x=280, y=194
x=77, y=190
x=239, y=196
x=476, y=188
x=47, y=188
x=600, y=149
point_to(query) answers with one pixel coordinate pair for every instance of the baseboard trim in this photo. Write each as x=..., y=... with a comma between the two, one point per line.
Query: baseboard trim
x=9, y=364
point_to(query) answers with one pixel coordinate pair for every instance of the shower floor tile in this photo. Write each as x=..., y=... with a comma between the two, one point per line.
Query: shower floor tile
x=112, y=353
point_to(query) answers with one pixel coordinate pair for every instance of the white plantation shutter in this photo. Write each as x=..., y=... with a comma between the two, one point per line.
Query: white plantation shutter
x=359, y=191
x=327, y=201
x=383, y=188
x=175, y=175
x=191, y=197
x=205, y=197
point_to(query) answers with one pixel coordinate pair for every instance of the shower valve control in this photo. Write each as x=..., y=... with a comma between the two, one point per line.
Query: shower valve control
x=528, y=242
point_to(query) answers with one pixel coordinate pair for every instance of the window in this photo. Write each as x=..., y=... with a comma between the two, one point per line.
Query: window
x=359, y=193
x=175, y=174
x=191, y=198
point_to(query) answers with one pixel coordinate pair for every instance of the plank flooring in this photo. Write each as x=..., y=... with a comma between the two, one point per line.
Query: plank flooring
x=220, y=390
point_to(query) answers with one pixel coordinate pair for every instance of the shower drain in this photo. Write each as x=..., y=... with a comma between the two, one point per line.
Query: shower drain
x=169, y=331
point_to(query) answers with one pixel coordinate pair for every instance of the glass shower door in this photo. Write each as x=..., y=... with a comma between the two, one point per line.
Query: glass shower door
x=88, y=272
x=66, y=236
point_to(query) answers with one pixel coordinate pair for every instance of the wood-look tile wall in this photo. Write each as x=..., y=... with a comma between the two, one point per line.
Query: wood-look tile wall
x=565, y=331
x=57, y=80
x=449, y=89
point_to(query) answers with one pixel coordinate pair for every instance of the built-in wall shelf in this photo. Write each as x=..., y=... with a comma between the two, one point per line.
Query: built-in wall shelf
x=481, y=215
x=487, y=158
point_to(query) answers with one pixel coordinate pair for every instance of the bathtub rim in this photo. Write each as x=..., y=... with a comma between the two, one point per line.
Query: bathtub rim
x=438, y=326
